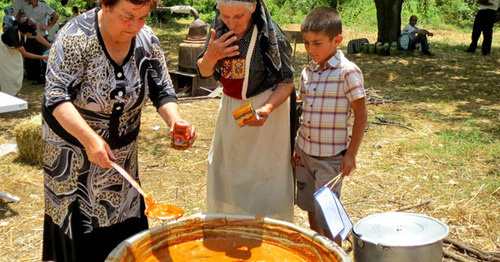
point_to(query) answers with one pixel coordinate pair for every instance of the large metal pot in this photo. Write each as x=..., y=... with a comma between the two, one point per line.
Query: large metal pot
x=399, y=237
x=165, y=242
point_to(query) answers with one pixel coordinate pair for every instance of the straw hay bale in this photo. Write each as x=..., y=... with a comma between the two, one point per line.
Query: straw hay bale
x=29, y=140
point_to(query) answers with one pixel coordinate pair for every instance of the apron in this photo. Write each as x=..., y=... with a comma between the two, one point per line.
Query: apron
x=249, y=169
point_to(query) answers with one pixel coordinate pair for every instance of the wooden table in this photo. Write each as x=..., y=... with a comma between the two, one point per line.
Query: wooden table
x=295, y=37
x=10, y=103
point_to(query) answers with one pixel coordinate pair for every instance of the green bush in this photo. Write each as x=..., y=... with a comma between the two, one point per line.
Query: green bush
x=355, y=13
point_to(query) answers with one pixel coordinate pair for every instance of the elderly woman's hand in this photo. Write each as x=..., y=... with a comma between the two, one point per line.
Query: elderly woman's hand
x=263, y=113
x=219, y=48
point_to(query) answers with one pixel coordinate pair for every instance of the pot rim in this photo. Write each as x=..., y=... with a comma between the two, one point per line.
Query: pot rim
x=329, y=245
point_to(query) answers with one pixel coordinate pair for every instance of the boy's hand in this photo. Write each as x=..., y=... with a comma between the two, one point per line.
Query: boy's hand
x=348, y=164
x=296, y=160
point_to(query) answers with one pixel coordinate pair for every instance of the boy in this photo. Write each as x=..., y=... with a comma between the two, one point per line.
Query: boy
x=331, y=90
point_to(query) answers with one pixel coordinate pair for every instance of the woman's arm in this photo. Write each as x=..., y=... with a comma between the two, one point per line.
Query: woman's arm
x=98, y=151
x=277, y=98
x=285, y=87
x=170, y=113
x=27, y=54
x=43, y=41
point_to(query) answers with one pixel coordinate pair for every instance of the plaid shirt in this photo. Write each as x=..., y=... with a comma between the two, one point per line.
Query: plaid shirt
x=327, y=93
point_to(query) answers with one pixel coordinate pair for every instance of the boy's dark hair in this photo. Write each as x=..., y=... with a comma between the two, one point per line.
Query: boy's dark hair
x=26, y=25
x=323, y=19
x=75, y=9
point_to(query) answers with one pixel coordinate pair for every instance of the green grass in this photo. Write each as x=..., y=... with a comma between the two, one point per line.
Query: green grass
x=452, y=147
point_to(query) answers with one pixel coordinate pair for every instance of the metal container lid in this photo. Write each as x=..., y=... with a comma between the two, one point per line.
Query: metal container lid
x=400, y=229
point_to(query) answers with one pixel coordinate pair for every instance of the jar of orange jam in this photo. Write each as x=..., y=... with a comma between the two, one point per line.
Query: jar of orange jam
x=181, y=135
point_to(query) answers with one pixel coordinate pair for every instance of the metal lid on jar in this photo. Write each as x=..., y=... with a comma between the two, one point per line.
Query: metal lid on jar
x=400, y=229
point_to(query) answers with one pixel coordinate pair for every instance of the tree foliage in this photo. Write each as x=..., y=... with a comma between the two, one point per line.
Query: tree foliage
x=354, y=12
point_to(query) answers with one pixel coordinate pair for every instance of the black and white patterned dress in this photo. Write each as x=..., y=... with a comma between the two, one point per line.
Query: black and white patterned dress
x=89, y=210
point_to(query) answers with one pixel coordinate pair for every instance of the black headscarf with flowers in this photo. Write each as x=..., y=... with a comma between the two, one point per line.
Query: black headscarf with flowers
x=267, y=40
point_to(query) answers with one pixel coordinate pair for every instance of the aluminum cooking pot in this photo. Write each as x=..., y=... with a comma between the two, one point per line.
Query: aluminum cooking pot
x=399, y=237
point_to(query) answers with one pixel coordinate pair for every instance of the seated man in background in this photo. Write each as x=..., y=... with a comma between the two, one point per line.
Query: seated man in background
x=417, y=35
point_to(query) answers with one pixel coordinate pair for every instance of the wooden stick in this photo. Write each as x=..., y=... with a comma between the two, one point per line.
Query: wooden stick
x=334, y=181
x=190, y=98
x=426, y=202
x=391, y=124
x=467, y=249
x=449, y=254
x=493, y=253
x=386, y=122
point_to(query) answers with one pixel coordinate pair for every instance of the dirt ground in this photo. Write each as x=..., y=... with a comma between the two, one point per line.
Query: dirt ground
x=406, y=157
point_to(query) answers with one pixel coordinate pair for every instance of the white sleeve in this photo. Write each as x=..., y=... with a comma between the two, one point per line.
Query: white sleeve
x=408, y=29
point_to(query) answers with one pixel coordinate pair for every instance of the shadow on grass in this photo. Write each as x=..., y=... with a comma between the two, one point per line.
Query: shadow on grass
x=469, y=82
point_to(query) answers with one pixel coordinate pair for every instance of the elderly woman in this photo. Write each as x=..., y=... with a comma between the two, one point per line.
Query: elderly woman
x=103, y=67
x=12, y=52
x=249, y=169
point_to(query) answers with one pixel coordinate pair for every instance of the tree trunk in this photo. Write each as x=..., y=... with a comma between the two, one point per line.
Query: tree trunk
x=388, y=20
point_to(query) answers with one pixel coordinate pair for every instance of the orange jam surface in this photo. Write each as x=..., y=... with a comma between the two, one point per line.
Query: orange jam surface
x=221, y=249
x=162, y=211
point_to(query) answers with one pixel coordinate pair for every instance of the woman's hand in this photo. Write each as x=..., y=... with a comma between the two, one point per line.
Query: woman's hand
x=263, y=113
x=217, y=49
x=277, y=98
x=193, y=135
x=99, y=152
x=220, y=48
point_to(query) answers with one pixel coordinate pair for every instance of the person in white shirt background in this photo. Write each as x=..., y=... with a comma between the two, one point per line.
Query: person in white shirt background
x=417, y=35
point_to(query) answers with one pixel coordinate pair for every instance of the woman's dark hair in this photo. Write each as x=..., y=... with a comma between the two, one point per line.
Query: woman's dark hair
x=111, y=3
x=75, y=9
x=26, y=25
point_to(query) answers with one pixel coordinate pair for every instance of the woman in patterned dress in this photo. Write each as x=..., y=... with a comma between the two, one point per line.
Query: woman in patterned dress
x=103, y=66
x=249, y=169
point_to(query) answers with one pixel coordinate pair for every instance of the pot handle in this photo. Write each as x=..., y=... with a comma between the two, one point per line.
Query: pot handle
x=357, y=238
x=383, y=248
x=356, y=234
